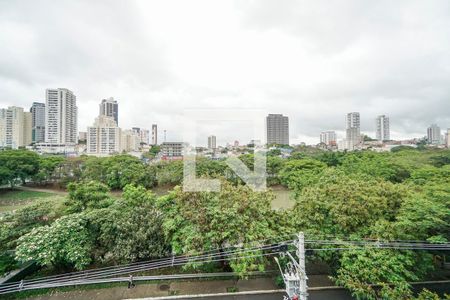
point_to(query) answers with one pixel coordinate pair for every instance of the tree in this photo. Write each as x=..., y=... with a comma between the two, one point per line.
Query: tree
x=153, y=152
x=129, y=230
x=87, y=195
x=119, y=170
x=20, y=222
x=64, y=244
x=441, y=159
x=170, y=172
x=17, y=165
x=273, y=169
x=391, y=269
x=47, y=167
x=360, y=206
x=373, y=164
x=297, y=174
x=274, y=152
x=71, y=170
x=201, y=221
x=343, y=205
x=422, y=218
x=332, y=159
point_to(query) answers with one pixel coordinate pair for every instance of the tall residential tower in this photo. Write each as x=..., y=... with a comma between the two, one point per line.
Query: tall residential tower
x=383, y=131
x=103, y=138
x=212, y=142
x=154, y=134
x=110, y=108
x=277, y=129
x=61, y=117
x=353, y=130
x=38, y=122
x=434, y=134
x=15, y=127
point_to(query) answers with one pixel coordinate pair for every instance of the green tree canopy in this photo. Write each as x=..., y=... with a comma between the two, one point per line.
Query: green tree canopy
x=47, y=168
x=343, y=205
x=379, y=165
x=201, y=221
x=298, y=174
x=17, y=223
x=391, y=269
x=64, y=244
x=87, y=195
x=17, y=165
x=129, y=230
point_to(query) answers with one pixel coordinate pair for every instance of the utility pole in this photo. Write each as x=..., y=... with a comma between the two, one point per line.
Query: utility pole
x=302, y=270
x=294, y=276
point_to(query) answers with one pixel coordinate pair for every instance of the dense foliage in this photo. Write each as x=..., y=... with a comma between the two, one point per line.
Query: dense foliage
x=200, y=221
x=402, y=195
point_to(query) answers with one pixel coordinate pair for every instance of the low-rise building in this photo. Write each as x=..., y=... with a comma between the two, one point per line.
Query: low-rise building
x=172, y=150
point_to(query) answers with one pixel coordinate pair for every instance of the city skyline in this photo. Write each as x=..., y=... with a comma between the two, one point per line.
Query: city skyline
x=291, y=63
x=274, y=125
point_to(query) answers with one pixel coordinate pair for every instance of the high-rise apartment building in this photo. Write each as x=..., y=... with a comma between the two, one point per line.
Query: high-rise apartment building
x=27, y=128
x=103, y=138
x=353, y=119
x=383, y=131
x=154, y=134
x=15, y=127
x=38, y=122
x=277, y=129
x=434, y=134
x=212, y=142
x=129, y=141
x=328, y=138
x=353, y=130
x=61, y=117
x=109, y=107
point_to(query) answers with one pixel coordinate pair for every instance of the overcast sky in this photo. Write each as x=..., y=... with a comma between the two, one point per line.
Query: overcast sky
x=313, y=61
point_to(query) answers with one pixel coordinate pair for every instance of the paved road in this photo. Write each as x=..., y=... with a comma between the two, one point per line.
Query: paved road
x=334, y=294
x=313, y=295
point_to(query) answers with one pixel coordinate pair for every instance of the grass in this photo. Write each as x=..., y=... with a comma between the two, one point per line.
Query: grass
x=11, y=199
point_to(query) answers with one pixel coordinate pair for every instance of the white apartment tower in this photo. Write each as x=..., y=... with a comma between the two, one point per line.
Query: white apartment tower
x=383, y=131
x=109, y=107
x=154, y=134
x=38, y=122
x=15, y=127
x=277, y=129
x=353, y=130
x=61, y=117
x=212, y=142
x=328, y=138
x=104, y=137
x=434, y=134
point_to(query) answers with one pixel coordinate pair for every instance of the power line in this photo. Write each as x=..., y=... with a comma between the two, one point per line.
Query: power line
x=227, y=255
x=24, y=286
x=213, y=255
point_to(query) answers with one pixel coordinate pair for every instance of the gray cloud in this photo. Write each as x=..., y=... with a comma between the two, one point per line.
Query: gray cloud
x=311, y=60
